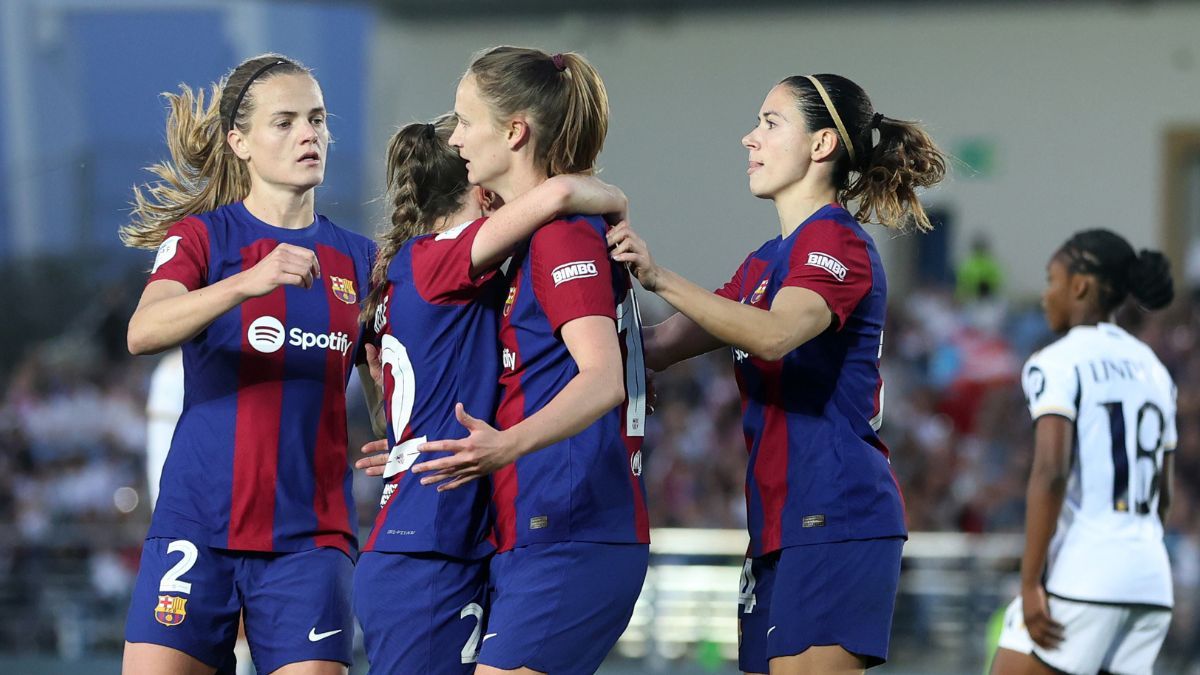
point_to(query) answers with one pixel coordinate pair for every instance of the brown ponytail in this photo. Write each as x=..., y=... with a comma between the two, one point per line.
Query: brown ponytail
x=562, y=95
x=884, y=176
x=426, y=181
x=203, y=173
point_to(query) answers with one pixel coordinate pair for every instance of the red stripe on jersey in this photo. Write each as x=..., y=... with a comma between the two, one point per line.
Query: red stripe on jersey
x=771, y=464
x=259, y=408
x=510, y=411
x=329, y=454
x=381, y=517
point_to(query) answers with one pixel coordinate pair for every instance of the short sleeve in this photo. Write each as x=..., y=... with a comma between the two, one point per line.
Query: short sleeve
x=732, y=290
x=441, y=265
x=1051, y=387
x=183, y=255
x=832, y=261
x=570, y=272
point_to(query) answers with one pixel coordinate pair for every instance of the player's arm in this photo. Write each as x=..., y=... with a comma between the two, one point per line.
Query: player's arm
x=517, y=220
x=597, y=388
x=1053, y=435
x=370, y=374
x=1166, y=483
x=168, y=314
x=677, y=339
x=797, y=314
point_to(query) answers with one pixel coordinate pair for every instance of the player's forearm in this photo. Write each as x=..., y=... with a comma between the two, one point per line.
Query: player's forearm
x=515, y=222
x=171, y=321
x=1044, y=499
x=755, y=331
x=587, y=397
x=674, y=340
x=374, y=399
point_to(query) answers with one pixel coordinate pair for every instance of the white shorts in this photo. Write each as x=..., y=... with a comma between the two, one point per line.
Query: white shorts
x=1120, y=639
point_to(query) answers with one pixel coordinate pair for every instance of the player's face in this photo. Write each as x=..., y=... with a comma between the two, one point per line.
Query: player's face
x=1056, y=297
x=779, y=145
x=287, y=141
x=478, y=137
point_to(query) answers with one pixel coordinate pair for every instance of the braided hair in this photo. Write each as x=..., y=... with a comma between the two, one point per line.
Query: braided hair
x=1146, y=275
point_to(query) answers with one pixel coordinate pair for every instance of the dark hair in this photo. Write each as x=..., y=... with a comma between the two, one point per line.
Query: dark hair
x=562, y=95
x=1121, y=271
x=887, y=173
x=203, y=173
x=426, y=180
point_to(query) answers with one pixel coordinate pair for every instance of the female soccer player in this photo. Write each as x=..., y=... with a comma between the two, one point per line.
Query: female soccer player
x=420, y=584
x=1095, y=579
x=255, y=515
x=571, y=530
x=804, y=315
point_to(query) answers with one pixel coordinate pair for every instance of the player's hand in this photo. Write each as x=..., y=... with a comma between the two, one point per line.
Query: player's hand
x=482, y=452
x=1043, y=629
x=627, y=247
x=378, y=456
x=588, y=194
x=287, y=265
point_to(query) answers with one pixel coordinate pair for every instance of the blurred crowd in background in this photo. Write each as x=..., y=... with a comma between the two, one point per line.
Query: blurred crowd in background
x=73, y=504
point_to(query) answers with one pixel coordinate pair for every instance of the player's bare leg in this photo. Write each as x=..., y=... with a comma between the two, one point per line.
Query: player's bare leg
x=823, y=660
x=488, y=670
x=312, y=668
x=1009, y=662
x=144, y=658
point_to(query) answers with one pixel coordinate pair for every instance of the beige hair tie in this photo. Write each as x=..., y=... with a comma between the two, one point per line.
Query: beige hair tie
x=837, y=120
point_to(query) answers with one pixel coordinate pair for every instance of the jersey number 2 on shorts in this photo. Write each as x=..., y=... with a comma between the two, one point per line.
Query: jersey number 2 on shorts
x=170, y=581
x=470, y=651
x=1148, y=437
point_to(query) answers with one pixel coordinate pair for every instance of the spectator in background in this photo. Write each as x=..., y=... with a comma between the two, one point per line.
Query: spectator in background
x=979, y=276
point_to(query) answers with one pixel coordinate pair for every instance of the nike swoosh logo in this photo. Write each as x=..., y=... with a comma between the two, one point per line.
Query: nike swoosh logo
x=489, y=635
x=771, y=629
x=314, y=636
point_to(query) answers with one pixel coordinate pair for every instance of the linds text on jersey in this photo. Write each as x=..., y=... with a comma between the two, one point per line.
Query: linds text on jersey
x=580, y=269
x=1105, y=370
x=828, y=263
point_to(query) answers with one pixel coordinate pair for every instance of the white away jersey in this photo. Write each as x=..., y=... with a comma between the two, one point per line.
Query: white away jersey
x=1108, y=546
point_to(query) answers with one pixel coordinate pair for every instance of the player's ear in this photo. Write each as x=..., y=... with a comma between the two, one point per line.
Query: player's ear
x=1081, y=285
x=517, y=132
x=489, y=202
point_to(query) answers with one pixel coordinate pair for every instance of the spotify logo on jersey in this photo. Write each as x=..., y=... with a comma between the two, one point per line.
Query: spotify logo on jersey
x=266, y=334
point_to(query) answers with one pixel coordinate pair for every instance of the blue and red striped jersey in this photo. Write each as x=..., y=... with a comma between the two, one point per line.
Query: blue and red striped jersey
x=587, y=487
x=438, y=345
x=258, y=461
x=818, y=470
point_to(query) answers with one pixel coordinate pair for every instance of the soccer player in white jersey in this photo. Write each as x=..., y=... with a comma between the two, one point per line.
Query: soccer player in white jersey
x=1095, y=587
x=164, y=404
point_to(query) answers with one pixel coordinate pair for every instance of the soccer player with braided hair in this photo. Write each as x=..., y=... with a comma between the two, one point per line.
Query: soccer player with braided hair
x=1096, y=591
x=804, y=315
x=421, y=583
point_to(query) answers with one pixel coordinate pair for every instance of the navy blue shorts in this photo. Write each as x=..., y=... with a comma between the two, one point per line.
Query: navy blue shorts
x=559, y=608
x=420, y=612
x=842, y=593
x=296, y=606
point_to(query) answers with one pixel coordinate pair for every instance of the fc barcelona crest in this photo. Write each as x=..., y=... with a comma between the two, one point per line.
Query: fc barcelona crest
x=171, y=610
x=343, y=289
x=758, y=292
x=512, y=295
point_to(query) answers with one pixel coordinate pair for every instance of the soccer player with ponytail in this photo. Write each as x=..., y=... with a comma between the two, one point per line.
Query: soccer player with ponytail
x=565, y=453
x=804, y=316
x=1096, y=592
x=255, y=516
x=421, y=583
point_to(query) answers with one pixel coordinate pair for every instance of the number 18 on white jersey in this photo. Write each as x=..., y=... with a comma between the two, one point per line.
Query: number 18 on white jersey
x=1108, y=546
